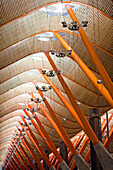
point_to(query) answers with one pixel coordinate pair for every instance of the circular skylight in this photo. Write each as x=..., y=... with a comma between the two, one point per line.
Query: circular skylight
x=43, y=39
x=47, y=35
x=56, y=9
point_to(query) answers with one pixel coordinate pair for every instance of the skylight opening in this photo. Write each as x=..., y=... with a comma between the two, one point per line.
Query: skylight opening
x=56, y=9
x=43, y=39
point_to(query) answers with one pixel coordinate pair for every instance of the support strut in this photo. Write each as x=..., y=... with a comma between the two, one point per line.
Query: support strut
x=35, y=142
x=106, y=79
x=86, y=70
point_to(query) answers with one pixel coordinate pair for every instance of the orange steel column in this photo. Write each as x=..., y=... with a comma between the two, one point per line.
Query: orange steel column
x=79, y=160
x=36, y=143
x=108, y=140
x=14, y=163
x=102, y=131
x=83, y=119
x=15, y=157
x=86, y=70
x=81, y=151
x=25, y=155
x=86, y=142
x=76, y=146
x=49, y=142
x=11, y=165
x=21, y=159
x=106, y=124
x=37, y=128
x=27, y=145
x=67, y=90
x=18, y=162
x=49, y=119
x=106, y=79
x=61, y=161
x=63, y=134
x=67, y=139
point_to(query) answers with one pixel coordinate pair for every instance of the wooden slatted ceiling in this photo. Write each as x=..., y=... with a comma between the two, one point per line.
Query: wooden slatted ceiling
x=17, y=44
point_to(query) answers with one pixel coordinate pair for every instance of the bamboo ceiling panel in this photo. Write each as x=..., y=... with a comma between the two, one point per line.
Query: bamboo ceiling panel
x=75, y=89
x=11, y=10
x=20, y=59
x=97, y=30
x=29, y=63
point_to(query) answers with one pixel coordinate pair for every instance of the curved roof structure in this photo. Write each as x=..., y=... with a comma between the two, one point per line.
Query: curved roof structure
x=26, y=33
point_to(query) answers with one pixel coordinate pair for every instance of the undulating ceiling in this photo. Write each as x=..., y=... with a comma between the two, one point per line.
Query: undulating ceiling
x=26, y=32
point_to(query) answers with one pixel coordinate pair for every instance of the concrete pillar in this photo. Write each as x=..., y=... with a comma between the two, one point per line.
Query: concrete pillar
x=52, y=168
x=63, y=150
x=104, y=156
x=95, y=123
x=81, y=164
x=64, y=166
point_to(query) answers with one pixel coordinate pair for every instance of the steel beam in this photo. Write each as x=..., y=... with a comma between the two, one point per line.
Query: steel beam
x=14, y=163
x=21, y=158
x=35, y=142
x=31, y=151
x=45, y=135
x=86, y=70
x=25, y=155
x=97, y=144
x=76, y=146
x=67, y=90
x=106, y=79
x=52, y=147
x=83, y=119
x=64, y=134
x=8, y=167
x=81, y=151
x=108, y=140
x=106, y=144
x=110, y=118
x=11, y=165
x=102, y=131
x=63, y=150
x=18, y=162
x=107, y=128
x=37, y=128
x=67, y=139
x=15, y=157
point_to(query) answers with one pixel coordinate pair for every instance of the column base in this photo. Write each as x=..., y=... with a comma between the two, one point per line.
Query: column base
x=104, y=156
x=64, y=166
x=81, y=164
x=52, y=168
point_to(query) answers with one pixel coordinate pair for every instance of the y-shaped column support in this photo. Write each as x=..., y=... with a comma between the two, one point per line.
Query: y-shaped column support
x=81, y=165
x=86, y=70
x=85, y=123
x=106, y=79
x=36, y=143
x=51, y=145
x=30, y=150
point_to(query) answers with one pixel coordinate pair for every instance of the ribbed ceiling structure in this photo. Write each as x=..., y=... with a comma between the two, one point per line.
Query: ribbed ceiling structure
x=26, y=32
